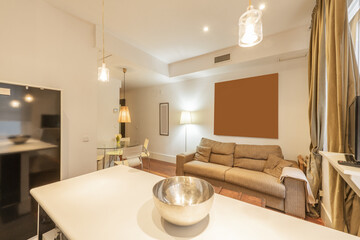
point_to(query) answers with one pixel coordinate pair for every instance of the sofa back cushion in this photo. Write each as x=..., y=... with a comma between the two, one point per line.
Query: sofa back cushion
x=221, y=153
x=202, y=153
x=251, y=164
x=218, y=147
x=260, y=152
x=253, y=157
x=223, y=159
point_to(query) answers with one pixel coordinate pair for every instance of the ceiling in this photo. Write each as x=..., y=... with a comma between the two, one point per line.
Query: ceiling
x=171, y=30
x=136, y=76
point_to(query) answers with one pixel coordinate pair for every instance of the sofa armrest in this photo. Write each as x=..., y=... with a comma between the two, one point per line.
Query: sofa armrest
x=181, y=159
x=295, y=197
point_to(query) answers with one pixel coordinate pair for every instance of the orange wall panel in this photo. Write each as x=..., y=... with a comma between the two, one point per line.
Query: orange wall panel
x=247, y=107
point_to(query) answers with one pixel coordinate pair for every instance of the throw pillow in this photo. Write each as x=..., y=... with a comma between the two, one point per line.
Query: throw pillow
x=202, y=153
x=272, y=161
x=275, y=165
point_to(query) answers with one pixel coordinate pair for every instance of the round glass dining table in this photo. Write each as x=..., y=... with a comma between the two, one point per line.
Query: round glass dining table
x=110, y=154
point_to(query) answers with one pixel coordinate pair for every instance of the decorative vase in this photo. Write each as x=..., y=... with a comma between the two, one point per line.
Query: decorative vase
x=118, y=138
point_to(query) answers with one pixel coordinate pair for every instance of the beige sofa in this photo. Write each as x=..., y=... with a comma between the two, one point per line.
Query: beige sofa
x=240, y=167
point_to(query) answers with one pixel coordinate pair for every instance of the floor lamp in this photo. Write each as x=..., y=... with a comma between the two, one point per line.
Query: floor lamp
x=185, y=119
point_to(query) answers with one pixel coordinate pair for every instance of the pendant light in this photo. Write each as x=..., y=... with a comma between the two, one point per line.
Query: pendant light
x=103, y=71
x=124, y=114
x=250, y=27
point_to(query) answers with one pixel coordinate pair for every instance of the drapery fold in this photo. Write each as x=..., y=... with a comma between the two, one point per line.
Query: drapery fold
x=317, y=99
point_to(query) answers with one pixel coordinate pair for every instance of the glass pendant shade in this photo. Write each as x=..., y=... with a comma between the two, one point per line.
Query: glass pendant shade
x=250, y=28
x=124, y=115
x=103, y=73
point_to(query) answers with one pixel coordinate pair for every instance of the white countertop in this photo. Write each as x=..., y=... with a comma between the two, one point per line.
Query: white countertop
x=116, y=203
x=7, y=147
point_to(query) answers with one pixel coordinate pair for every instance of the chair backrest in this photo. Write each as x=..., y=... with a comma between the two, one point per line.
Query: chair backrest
x=132, y=152
x=146, y=143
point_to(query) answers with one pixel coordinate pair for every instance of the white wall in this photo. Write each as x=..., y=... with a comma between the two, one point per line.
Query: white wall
x=108, y=100
x=43, y=46
x=198, y=96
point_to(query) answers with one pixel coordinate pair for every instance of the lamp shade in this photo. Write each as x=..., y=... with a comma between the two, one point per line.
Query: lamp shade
x=185, y=117
x=250, y=28
x=124, y=115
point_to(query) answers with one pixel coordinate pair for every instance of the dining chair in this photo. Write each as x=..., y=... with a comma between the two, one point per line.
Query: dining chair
x=112, y=156
x=145, y=152
x=131, y=156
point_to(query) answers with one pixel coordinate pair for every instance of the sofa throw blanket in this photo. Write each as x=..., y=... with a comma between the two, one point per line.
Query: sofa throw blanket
x=298, y=174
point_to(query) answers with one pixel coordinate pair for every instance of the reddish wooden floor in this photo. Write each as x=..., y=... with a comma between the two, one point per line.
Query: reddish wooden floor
x=166, y=169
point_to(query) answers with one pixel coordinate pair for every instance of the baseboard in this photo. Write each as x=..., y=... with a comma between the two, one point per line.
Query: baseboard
x=163, y=157
x=325, y=216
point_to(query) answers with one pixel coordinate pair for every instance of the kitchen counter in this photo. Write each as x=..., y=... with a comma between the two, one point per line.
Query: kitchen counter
x=7, y=147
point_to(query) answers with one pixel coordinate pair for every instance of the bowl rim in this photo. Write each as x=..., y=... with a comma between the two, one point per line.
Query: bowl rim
x=18, y=136
x=190, y=177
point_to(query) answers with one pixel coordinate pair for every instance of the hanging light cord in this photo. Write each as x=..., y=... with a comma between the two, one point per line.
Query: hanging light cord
x=124, y=70
x=249, y=2
x=103, y=35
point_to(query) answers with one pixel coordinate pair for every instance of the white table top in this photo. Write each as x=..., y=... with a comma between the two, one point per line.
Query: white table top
x=116, y=203
x=7, y=147
x=350, y=174
x=335, y=157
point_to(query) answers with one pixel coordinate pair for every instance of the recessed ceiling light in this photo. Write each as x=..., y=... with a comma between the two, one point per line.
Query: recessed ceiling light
x=206, y=29
x=262, y=6
x=15, y=104
x=28, y=98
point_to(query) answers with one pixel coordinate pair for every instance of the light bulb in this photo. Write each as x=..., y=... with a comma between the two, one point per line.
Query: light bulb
x=28, y=98
x=250, y=35
x=103, y=73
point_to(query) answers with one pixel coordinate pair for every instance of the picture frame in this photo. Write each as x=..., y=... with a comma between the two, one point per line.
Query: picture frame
x=164, y=119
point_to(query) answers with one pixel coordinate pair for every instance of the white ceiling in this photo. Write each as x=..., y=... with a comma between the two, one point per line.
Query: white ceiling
x=171, y=30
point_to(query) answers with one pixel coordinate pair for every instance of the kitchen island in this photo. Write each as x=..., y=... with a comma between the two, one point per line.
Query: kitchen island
x=116, y=203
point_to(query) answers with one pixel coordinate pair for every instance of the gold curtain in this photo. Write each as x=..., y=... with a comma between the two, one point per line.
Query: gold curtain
x=342, y=83
x=317, y=98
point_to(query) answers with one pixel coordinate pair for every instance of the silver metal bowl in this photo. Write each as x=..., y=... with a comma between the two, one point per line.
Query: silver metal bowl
x=183, y=200
x=19, y=139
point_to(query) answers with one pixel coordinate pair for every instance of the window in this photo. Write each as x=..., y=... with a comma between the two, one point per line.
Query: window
x=354, y=18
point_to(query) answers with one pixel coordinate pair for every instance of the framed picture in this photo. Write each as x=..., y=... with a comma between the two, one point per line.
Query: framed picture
x=164, y=119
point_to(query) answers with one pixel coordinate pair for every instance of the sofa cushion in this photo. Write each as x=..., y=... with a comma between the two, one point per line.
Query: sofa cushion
x=218, y=147
x=257, y=151
x=274, y=165
x=226, y=160
x=254, y=180
x=210, y=170
x=251, y=164
x=202, y=153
